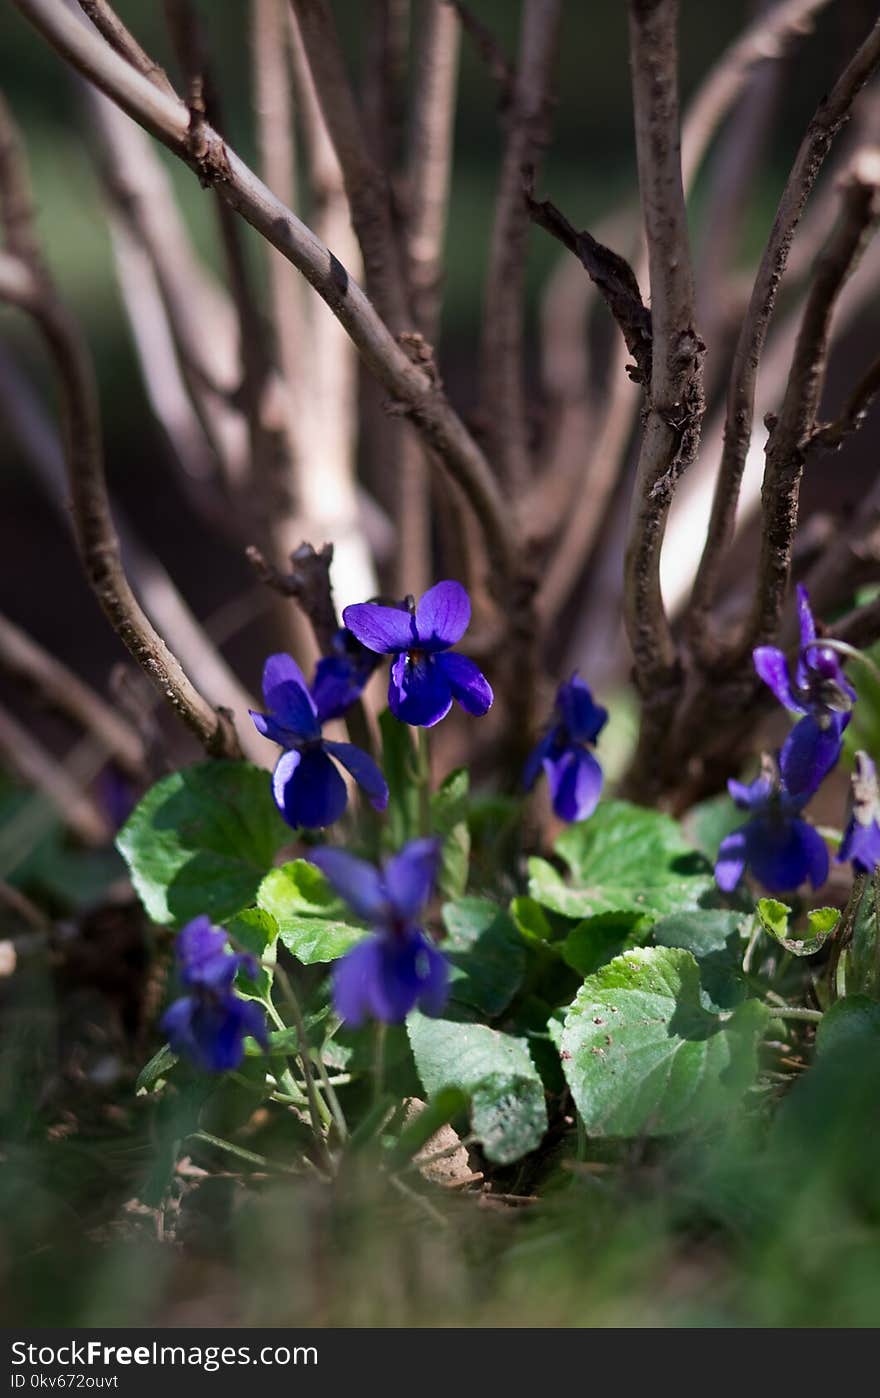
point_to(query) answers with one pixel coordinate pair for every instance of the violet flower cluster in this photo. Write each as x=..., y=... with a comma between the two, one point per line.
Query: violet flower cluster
x=210, y=1023
x=398, y=967
x=775, y=844
x=425, y=678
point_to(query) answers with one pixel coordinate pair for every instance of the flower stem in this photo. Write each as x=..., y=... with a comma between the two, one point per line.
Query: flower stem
x=789, y=1012
x=318, y=1111
x=424, y=780
x=875, y=889
x=249, y=1155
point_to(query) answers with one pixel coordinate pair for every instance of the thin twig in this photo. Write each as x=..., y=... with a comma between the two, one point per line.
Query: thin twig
x=527, y=119
x=309, y=583
x=767, y=38
x=791, y=432
x=429, y=168
x=108, y=23
x=830, y=117
x=25, y=283
x=37, y=439
x=366, y=183
x=830, y=435
x=325, y=403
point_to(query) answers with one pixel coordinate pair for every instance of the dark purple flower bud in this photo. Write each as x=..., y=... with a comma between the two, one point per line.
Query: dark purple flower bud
x=340, y=678
x=424, y=678
x=308, y=788
x=775, y=845
x=861, y=841
x=398, y=968
x=574, y=775
x=209, y=1025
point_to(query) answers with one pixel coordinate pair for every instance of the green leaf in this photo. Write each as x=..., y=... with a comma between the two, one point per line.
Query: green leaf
x=642, y=1055
x=201, y=840
x=532, y=922
x=399, y=768
x=487, y=956
x=158, y=1068
x=715, y=937
x=821, y=922
x=596, y=940
x=850, y=1025
x=254, y=931
x=449, y=810
x=623, y=859
x=307, y=913
x=494, y=1070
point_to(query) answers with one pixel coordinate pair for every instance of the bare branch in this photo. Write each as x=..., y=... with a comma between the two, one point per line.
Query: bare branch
x=62, y=690
x=35, y=436
x=528, y=118
x=326, y=380
x=405, y=380
x=199, y=316
x=108, y=23
x=309, y=583
x=366, y=183
x=489, y=49
x=25, y=283
x=790, y=434
x=96, y=535
x=429, y=166
x=830, y=435
x=430, y=160
x=675, y=405
x=830, y=116
x=611, y=274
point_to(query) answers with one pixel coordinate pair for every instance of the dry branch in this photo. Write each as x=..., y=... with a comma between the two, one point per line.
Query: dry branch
x=407, y=382
x=675, y=403
x=830, y=116
x=527, y=120
x=790, y=434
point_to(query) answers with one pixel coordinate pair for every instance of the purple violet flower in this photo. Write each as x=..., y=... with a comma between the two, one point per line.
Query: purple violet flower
x=573, y=773
x=306, y=784
x=861, y=841
x=209, y=1025
x=425, y=675
x=775, y=845
x=340, y=678
x=820, y=692
x=398, y=967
